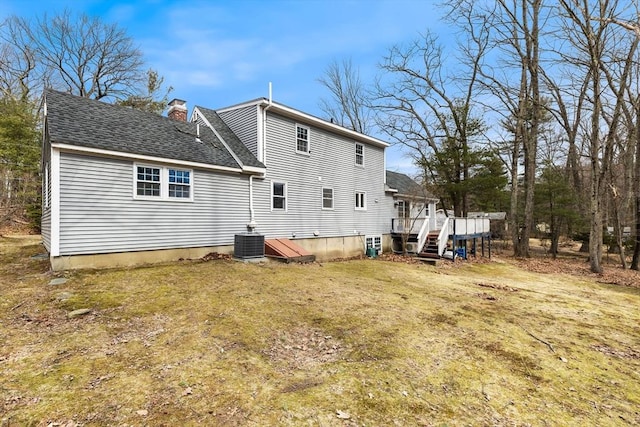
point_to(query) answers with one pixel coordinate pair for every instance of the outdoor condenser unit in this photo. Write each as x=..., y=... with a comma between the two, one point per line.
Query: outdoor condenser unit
x=248, y=245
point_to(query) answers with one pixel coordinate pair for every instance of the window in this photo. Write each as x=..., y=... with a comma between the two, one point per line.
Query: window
x=179, y=183
x=47, y=186
x=279, y=196
x=162, y=183
x=361, y=201
x=302, y=139
x=359, y=155
x=148, y=182
x=374, y=242
x=403, y=209
x=327, y=198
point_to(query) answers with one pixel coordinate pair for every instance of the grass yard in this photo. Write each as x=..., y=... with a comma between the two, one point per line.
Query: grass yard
x=351, y=343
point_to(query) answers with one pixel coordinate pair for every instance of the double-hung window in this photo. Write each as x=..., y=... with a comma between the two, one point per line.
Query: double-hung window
x=327, y=198
x=359, y=154
x=278, y=196
x=361, y=201
x=302, y=139
x=179, y=183
x=162, y=183
x=148, y=181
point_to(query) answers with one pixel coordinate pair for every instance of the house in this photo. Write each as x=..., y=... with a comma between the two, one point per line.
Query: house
x=125, y=187
x=415, y=215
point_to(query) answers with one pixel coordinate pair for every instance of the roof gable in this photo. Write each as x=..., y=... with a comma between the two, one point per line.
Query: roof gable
x=230, y=138
x=92, y=124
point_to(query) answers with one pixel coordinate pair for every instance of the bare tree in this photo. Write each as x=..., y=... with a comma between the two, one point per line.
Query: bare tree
x=588, y=28
x=635, y=262
x=19, y=74
x=78, y=54
x=635, y=100
x=348, y=103
x=427, y=106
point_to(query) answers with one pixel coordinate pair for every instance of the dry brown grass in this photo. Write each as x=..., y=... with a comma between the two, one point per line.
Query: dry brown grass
x=361, y=342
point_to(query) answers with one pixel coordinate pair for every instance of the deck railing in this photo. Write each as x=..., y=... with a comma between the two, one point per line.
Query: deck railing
x=407, y=225
x=443, y=237
x=470, y=226
x=422, y=235
x=448, y=226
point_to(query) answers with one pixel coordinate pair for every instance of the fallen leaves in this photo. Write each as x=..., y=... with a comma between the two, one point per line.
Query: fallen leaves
x=342, y=415
x=612, y=275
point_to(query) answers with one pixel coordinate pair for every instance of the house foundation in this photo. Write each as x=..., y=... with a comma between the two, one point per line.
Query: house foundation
x=324, y=248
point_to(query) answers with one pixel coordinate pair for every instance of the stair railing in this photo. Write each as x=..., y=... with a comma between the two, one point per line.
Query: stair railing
x=443, y=237
x=422, y=235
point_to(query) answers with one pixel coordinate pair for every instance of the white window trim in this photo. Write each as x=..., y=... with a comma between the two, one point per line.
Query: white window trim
x=164, y=183
x=373, y=238
x=286, y=196
x=355, y=152
x=364, y=207
x=333, y=199
x=308, y=152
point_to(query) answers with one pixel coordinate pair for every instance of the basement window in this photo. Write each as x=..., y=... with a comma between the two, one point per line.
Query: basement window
x=373, y=242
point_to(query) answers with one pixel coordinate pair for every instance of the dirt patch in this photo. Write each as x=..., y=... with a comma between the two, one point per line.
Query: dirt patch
x=629, y=353
x=304, y=347
x=499, y=287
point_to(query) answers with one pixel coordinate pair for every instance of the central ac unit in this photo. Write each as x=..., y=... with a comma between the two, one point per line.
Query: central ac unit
x=248, y=245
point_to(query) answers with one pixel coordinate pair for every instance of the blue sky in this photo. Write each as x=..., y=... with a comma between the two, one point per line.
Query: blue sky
x=219, y=53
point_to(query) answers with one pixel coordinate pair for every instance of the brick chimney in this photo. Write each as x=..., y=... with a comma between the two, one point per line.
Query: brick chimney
x=178, y=110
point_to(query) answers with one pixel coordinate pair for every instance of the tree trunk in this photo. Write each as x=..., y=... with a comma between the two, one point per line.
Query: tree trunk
x=595, y=231
x=514, y=216
x=635, y=262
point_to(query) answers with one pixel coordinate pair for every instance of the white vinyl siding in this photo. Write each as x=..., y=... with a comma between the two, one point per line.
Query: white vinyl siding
x=331, y=165
x=244, y=123
x=99, y=215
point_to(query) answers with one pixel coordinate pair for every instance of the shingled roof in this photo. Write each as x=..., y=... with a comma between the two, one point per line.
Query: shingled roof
x=406, y=186
x=94, y=124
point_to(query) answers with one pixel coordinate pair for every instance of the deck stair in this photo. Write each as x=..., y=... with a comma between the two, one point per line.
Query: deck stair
x=287, y=251
x=430, y=248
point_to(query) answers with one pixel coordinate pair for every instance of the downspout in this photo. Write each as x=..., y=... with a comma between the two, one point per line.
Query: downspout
x=252, y=219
